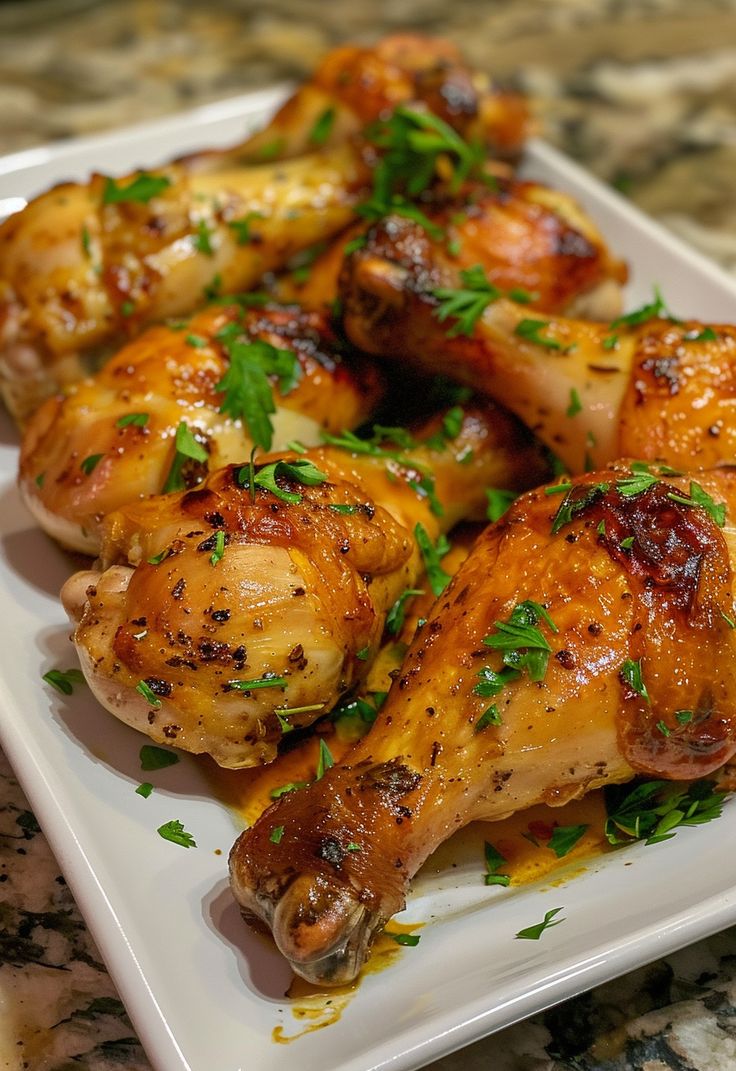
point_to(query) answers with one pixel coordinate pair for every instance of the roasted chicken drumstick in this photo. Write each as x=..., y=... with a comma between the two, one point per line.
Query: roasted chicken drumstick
x=589, y=636
x=252, y=603
x=644, y=386
x=113, y=437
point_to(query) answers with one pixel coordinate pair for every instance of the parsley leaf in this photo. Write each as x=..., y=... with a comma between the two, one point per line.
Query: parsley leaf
x=397, y=614
x=145, y=789
x=241, y=227
x=268, y=680
x=186, y=446
x=655, y=308
x=325, y=760
x=431, y=555
x=631, y=674
x=157, y=758
x=407, y=939
x=246, y=386
x=531, y=331
x=203, y=238
x=301, y=470
x=491, y=716
x=90, y=463
x=322, y=127
x=494, y=860
x=276, y=834
x=219, y=550
x=533, y=933
x=653, y=810
x=466, y=305
x=575, y=406
x=141, y=190
x=64, y=680
x=138, y=420
x=177, y=834
x=701, y=498
x=498, y=502
x=523, y=644
x=564, y=839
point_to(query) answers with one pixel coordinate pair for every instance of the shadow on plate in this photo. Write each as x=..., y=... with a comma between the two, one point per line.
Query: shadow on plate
x=261, y=967
x=29, y=553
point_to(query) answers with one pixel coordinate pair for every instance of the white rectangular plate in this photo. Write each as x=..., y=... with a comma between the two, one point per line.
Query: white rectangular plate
x=203, y=992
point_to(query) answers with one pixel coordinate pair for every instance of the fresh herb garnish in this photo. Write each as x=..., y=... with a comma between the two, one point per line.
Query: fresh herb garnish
x=491, y=716
x=576, y=501
x=494, y=860
x=706, y=335
x=127, y=308
x=186, y=447
x=649, y=311
x=432, y=553
x=177, y=834
x=64, y=680
x=157, y=758
x=407, y=939
x=499, y=501
x=301, y=471
x=197, y=342
x=531, y=331
x=524, y=645
x=86, y=242
x=575, y=406
x=322, y=127
x=282, y=790
x=241, y=227
x=276, y=834
x=467, y=304
x=533, y=933
x=203, y=239
x=219, y=549
x=397, y=614
x=90, y=463
x=247, y=388
x=145, y=789
x=268, y=680
x=655, y=809
x=325, y=760
x=138, y=420
x=141, y=190
x=144, y=689
x=631, y=674
x=359, y=242
x=701, y=498
x=564, y=839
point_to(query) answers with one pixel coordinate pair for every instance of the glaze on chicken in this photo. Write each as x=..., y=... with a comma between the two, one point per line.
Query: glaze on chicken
x=646, y=386
x=230, y=583
x=588, y=637
x=125, y=418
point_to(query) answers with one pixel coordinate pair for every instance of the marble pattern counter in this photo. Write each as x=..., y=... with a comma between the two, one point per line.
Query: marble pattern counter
x=643, y=92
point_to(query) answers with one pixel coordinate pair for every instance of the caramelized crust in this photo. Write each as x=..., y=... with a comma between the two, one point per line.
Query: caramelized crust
x=430, y=765
x=301, y=590
x=170, y=375
x=592, y=392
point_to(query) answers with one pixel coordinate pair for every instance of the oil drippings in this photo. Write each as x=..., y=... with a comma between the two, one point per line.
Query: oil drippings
x=315, y=1007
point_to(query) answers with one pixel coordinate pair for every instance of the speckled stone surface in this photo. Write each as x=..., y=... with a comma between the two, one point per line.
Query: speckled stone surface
x=643, y=92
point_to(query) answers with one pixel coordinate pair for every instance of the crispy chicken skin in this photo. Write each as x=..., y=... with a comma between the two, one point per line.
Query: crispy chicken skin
x=430, y=765
x=300, y=590
x=166, y=376
x=658, y=389
x=79, y=275
x=524, y=235
x=357, y=85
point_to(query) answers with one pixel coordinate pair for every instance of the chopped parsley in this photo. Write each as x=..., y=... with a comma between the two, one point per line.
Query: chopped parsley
x=359, y=242
x=322, y=127
x=649, y=311
x=86, y=242
x=203, y=239
x=141, y=190
x=246, y=385
x=498, y=502
x=706, y=335
x=90, y=463
x=186, y=447
x=177, y=834
x=575, y=406
x=397, y=614
x=276, y=834
x=325, y=760
x=525, y=649
x=432, y=553
x=491, y=716
x=407, y=939
x=268, y=680
x=138, y=420
x=363, y=654
x=631, y=674
x=701, y=498
x=241, y=228
x=64, y=680
x=144, y=689
x=494, y=860
x=533, y=933
x=655, y=809
x=301, y=471
x=157, y=758
x=219, y=549
x=197, y=342
x=145, y=789
x=531, y=331
x=564, y=839
x=467, y=304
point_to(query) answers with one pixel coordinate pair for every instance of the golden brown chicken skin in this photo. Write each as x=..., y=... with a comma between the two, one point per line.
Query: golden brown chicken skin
x=526, y=237
x=572, y=649
x=644, y=386
x=85, y=266
x=231, y=583
x=112, y=437
x=355, y=85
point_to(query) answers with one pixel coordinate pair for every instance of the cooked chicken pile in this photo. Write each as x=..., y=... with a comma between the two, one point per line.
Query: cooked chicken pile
x=304, y=345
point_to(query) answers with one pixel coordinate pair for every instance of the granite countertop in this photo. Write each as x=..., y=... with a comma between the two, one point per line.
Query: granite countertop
x=643, y=92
